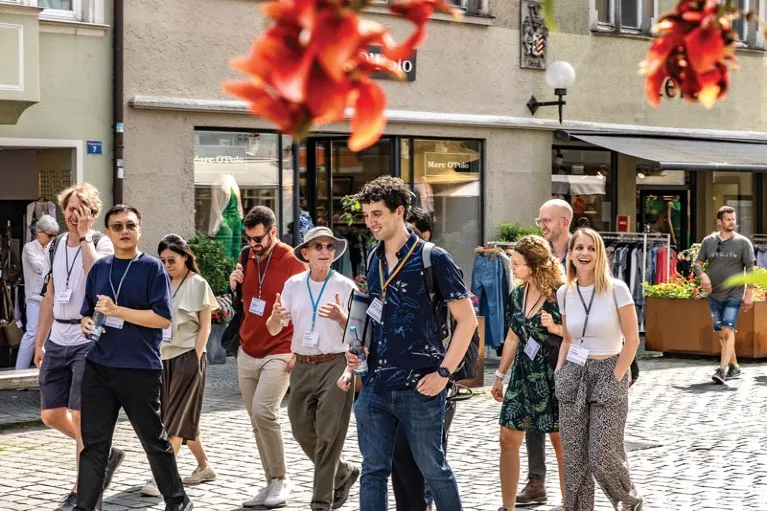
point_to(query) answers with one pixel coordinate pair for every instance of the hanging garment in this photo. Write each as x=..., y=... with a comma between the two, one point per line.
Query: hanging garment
x=665, y=272
x=488, y=283
x=226, y=215
x=34, y=211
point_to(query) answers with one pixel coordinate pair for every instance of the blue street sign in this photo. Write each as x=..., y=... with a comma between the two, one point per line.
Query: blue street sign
x=94, y=146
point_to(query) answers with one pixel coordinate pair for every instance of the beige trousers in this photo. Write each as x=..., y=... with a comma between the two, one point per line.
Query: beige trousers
x=263, y=384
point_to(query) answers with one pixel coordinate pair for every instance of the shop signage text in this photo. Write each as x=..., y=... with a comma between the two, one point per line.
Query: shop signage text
x=408, y=66
x=459, y=162
x=623, y=223
x=671, y=90
x=220, y=159
x=94, y=146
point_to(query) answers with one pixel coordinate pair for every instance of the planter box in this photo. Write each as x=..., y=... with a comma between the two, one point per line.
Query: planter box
x=684, y=326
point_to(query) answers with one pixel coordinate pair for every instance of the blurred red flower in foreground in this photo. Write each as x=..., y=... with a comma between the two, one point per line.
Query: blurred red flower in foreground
x=694, y=43
x=313, y=63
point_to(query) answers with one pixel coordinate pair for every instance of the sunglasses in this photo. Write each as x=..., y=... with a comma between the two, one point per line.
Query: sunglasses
x=330, y=247
x=719, y=246
x=119, y=226
x=255, y=239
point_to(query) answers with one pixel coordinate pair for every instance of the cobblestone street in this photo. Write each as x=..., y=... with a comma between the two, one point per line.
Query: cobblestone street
x=692, y=445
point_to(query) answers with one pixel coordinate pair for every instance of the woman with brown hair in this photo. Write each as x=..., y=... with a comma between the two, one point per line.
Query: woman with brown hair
x=183, y=355
x=533, y=320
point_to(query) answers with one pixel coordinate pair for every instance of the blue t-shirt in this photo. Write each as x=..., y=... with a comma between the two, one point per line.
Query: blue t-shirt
x=406, y=346
x=145, y=287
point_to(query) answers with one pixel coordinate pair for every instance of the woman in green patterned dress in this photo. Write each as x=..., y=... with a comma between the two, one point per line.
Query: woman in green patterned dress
x=532, y=315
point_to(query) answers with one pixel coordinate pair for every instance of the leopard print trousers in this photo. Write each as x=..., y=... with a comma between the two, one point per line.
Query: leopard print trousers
x=593, y=407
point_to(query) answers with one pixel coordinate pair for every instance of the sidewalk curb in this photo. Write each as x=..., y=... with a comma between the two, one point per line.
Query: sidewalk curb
x=21, y=424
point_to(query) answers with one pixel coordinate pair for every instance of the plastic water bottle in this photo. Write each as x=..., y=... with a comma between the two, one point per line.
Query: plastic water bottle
x=100, y=319
x=358, y=349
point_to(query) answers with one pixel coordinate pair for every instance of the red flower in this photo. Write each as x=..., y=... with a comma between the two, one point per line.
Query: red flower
x=694, y=43
x=313, y=63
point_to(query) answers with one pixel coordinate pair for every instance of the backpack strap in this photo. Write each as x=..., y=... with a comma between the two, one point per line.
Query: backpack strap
x=52, y=246
x=428, y=270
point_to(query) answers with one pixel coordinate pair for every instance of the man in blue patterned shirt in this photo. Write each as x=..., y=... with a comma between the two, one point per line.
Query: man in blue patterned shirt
x=408, y=366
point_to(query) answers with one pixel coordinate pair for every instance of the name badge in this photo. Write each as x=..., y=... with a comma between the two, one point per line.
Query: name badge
x=257, y=306
x=64, y=296
x=531, y=348
x=577, y=355
x=375, y=310
x=167, y=333
x=114, y=322
x=311, y=339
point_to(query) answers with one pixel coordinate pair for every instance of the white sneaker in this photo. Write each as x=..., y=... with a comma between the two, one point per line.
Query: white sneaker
x=150, y=489
x=200, y=476
x=260, y=498
x=278, y=494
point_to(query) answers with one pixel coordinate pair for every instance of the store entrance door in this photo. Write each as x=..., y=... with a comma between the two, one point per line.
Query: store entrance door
x=331, y=173
x=665, y=211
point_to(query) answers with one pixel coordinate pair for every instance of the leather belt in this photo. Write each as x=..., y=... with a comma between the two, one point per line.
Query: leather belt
x=317, y=359
x=67, y=321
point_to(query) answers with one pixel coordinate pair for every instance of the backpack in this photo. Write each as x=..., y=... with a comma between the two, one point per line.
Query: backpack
x=467, y=369
x=230, y=339
x=52, y=247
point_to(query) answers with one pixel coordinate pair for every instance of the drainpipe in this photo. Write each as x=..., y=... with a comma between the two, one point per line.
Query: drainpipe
x=117, y=102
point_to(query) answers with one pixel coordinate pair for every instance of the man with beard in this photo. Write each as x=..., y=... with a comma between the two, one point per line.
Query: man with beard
x=264, y=360
x=727, y=253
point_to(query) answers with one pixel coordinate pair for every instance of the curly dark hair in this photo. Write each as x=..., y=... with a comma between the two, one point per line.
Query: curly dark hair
x=392, y=190
x=546, y=270
x=259, y=215
x=421, y=219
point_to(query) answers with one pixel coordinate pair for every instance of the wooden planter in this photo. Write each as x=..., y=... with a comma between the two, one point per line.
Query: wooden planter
x=684, y=326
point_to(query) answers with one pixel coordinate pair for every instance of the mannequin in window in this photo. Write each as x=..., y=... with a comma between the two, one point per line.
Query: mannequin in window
x=226, y=215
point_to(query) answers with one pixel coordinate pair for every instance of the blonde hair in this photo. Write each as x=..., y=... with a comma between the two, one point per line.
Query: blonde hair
x=88, y=195
x=546, y=271
x=602, y=274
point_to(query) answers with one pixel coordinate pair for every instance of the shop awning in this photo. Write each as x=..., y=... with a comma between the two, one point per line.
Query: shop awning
x=681, y=153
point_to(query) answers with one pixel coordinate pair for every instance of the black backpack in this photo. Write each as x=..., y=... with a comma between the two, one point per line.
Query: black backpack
x=52, y=247
x=467, y=369
x=230, y=340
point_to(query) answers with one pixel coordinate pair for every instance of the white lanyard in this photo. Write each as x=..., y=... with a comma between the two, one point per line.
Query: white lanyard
x=120, y=285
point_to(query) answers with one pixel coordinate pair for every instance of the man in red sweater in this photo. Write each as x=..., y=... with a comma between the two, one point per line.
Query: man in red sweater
x=264, y=360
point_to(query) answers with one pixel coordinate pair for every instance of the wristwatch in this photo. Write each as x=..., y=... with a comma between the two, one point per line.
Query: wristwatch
x=444, y=372
x=88, y=238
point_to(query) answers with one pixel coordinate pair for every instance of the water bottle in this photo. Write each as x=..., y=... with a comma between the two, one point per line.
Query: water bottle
x=100, y=319
x=358, y=349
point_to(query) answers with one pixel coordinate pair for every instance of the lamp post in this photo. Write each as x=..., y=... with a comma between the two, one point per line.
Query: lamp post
x=559, y=76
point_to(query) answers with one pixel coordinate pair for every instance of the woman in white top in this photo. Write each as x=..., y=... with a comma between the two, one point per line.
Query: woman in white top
x=32, y=260
x=592, y=380
x=183, y=356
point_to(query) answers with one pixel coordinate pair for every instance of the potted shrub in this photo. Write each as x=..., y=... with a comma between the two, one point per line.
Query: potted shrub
x=678, y=319
x=215, y=267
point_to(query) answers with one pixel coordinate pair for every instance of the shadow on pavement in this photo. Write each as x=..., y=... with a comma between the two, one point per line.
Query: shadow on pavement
x=136, y=501
x=761, y=380
x=702, y=388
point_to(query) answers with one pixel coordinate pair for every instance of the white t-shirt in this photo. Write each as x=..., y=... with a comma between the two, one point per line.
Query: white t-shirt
x=603, y=332
x=295, y=298
x=62, y=333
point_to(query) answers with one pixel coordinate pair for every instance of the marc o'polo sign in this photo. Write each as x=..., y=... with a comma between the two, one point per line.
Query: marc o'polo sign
x=407, y=66
x=436, y=163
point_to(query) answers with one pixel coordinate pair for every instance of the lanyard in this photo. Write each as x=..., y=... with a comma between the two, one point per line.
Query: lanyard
x=179, y=286
x=120, y=285
x=394, y=272
x=266, y=269
x=587, y=309
x=316, y=304
x=66, y=259
x=524, y=311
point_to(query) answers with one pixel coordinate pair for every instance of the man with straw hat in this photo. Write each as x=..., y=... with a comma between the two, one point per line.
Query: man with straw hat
x=315, y=302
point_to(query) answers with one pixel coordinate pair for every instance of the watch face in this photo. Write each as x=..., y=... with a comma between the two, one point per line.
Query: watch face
x=88, y=238
x=443, y=371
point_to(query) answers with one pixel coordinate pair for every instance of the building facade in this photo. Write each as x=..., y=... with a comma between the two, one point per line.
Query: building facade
x=459, y=131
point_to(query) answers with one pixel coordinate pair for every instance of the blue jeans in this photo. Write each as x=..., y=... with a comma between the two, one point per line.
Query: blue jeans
x=422, y=418
x=487, y=283
x=724, y=313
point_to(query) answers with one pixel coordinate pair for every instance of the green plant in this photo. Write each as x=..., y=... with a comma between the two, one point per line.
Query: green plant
x=215, y=267
x=514, y=231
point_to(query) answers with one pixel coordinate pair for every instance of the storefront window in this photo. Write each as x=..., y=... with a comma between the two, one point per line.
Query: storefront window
x=233, y=172
x=582, y=178
x=734, y=189
x=446, y=181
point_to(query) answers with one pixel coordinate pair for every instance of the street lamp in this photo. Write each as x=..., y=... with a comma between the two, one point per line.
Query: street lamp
x=560, y=75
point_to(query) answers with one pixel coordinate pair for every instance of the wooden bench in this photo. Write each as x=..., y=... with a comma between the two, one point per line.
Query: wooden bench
x=23, y=379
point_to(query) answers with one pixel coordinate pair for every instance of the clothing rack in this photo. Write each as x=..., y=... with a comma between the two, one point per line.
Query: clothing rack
x=653, y=238
x=759, y=239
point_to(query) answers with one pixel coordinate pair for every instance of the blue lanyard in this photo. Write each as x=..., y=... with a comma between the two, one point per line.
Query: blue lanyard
x=315, y=305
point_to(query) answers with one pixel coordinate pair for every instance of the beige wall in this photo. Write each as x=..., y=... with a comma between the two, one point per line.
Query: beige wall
x=463, y=68
x=75, y=98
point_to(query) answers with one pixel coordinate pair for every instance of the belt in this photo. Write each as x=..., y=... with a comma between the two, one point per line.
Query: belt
x=67, y=321
x=317, y=359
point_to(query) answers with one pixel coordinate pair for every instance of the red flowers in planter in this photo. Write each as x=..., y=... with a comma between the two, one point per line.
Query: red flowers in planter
x=694, y=43
x=313, y=63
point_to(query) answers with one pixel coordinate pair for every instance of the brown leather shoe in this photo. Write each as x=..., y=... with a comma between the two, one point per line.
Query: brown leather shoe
x=533, y=494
